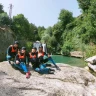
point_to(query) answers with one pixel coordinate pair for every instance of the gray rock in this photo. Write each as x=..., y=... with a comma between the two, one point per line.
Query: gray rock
x=6, y=38
x=70, y=81
x=91, y=60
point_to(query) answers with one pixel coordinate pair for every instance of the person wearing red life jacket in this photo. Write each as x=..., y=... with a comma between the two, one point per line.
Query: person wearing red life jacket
x=12, y=50
x=43, y=57
x=33, y=57
x=37, y=66
x=22, y=61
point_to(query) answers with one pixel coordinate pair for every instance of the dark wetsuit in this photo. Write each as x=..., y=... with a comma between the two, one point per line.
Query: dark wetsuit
x=34, y=59
x=11, y=52
x=41, y=58
x=23, y=59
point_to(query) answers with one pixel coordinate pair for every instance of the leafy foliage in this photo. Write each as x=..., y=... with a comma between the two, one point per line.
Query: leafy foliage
x=84, y=4
x=4, y=19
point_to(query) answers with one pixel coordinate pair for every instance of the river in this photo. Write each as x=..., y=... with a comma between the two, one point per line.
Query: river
x=69, y=60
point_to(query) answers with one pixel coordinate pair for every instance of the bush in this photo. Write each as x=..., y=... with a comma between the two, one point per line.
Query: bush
x=90, y=50
x=67, y=47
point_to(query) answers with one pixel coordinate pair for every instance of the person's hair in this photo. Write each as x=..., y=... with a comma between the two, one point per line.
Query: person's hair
x=34, y=48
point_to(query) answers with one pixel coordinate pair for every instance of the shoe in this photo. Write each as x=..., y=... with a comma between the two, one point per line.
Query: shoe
x=51, y=69
x=57, y=68
x=27, y=75
x=9, y=61
x=49, y=65
x=51, y=72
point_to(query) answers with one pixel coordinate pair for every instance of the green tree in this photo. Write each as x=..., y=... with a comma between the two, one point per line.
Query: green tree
x=65, y=17
x=47, y=34
x=33, y=33
x=57, y=31
x=4, y=19
x=1, y=8
x=49, y=31
x=21, y=26
x=84, y=4
x=41, y=30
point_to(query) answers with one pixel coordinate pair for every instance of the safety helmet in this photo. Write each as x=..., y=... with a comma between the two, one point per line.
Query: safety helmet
x=23, y=48
x=16, y=42
x=40, y=46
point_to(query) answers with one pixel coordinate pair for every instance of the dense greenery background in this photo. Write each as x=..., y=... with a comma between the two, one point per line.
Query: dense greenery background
x=68, y=34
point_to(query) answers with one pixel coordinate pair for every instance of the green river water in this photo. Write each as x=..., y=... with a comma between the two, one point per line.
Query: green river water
x=69, y=60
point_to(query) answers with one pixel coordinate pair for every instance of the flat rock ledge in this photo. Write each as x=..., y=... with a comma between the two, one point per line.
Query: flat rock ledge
x=70, y=81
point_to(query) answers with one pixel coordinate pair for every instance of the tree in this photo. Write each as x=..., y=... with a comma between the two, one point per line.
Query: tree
x=48, y=31
x=4, y=19
x=84, y=4
x=57, y=30
x=33, y=33
x=1, y=8
x=65, y=17
x=21, y=26
x=41, y=30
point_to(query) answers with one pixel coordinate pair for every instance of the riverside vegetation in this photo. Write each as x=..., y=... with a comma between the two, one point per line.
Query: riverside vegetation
x=73, y=33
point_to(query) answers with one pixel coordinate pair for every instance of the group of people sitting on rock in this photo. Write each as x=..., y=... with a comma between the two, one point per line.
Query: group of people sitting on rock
x=22, y=59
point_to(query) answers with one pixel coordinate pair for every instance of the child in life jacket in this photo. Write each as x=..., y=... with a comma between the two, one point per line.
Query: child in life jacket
x=22, y=61
x=33, y=57
x=12, y=50
x=37, y=66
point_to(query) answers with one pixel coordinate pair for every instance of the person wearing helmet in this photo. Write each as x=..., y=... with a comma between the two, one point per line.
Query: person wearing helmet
x=43, y=57
x=33, y=57
x=12, y=50
x=37, y=66
x=22, y=61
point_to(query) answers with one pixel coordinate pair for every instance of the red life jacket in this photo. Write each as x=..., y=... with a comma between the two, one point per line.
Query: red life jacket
x=32, y=56
x=40, y=54
x=13, y=50
x=21, y=56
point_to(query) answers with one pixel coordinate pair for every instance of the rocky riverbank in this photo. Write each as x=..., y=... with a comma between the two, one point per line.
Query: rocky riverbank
x=70, y=81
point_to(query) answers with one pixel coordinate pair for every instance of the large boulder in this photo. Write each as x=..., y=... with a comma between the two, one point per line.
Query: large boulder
x=77, y=54
x=91, y=60
x=70, y=81
x=6, y=38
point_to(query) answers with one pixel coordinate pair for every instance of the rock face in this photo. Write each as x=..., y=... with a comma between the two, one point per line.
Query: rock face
x=70, y=81
x=6, y=38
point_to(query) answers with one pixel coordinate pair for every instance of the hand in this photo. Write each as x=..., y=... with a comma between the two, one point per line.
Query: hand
x=39, y=55
x=17, y=62
x=49, y=55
